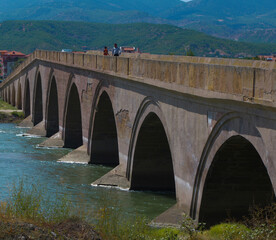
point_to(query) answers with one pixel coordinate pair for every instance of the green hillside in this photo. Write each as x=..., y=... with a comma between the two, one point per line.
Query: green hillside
x=241, y=20
x=26, y=36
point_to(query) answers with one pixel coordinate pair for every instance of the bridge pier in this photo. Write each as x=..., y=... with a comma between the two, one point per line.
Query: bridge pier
x=78, y=155
x=26, y=123
x=38, y=130
x=54, y=141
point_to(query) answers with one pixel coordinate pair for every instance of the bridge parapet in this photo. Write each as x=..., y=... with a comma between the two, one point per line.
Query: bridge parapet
x=234, y=79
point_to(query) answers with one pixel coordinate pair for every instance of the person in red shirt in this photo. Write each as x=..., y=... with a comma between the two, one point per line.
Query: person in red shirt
x=105, y=51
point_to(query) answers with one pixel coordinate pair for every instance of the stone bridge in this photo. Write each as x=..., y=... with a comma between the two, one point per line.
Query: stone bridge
x=202, y=128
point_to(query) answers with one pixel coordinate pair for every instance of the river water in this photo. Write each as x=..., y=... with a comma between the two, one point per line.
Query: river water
x=20, y=158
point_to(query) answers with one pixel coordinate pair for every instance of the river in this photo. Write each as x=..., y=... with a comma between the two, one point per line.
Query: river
x=20, y=158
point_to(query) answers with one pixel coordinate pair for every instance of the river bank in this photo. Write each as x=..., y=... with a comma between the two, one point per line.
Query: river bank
x=74, y=229
x=9, y=113
x=11, y=116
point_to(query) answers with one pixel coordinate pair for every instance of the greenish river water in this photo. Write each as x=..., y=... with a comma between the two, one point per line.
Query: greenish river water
x=20, y=158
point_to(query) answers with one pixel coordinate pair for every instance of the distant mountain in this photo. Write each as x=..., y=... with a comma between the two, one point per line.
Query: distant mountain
x=26, y=36
x=243, y=20
x=235, y=19
x=221, y=9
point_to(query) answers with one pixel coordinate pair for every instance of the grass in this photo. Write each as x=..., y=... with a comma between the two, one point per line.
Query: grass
x=29, y=213
x=11, y=116
x=6, y=106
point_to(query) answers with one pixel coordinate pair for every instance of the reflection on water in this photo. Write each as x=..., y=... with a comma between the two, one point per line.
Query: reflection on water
x=21, y=159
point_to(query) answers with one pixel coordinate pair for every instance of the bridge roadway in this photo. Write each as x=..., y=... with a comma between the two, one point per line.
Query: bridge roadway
x=203, y=128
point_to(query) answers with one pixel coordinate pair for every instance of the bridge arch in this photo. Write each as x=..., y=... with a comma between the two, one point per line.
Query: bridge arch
x=27, y=98
x=13, y=95
x=19, y=96
x=150, y=165
x=5, y=94
x=9, y=94
x=37, y=100
x=52, y=108
x=104, y=139
x=73, y=119
x=232, y=174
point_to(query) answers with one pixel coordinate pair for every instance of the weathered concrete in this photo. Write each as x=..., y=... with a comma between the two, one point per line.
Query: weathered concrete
x=115, y=178
x=54, y=141
x=26, y=123
x=173, y=217
x=77, y=156
x=166, y=122
x=38, y=130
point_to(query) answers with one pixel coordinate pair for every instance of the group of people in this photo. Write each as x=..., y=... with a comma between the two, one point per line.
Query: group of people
x=116, y=51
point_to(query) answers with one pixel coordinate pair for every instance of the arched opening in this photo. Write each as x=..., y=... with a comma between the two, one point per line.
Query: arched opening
x=73, y=125
x=38, y=109
x=104, y=149
x=13, y=95
x=19, y=96
x=236, y=180
x=27, y=109
x=9, y=96
x=152, y=163
x=52, y=125
x=5, y=95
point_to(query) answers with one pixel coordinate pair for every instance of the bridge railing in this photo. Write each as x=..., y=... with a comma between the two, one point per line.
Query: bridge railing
x=249, y=79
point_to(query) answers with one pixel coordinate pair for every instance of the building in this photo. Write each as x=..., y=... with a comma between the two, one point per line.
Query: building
x=7, y=61
x=129, y=50
x=268, y=57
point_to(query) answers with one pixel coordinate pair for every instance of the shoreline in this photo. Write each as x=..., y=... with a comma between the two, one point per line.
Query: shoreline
x=11, y=116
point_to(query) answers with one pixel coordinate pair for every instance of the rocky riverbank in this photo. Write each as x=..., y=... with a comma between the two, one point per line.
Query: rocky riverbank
x=70, y=229
x=11, y=116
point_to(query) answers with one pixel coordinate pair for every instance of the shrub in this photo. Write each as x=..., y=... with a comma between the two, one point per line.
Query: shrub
x=262, y=221
x=18, y=114
x=229, y=231
x=29, y=202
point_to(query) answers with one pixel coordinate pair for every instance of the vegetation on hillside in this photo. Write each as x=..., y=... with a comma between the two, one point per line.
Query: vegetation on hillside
x=26, y=36
x=233, y=19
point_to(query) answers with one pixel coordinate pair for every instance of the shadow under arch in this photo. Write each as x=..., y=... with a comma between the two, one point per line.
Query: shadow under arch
x=104, y=144
x=52, y=114
x=237, y=179
x=13, y=95
x=5, y=94
x=9, y=94
x=37, y=101
x=150, y=165
x=27, y=99
x=19, y=96
x=73, y=121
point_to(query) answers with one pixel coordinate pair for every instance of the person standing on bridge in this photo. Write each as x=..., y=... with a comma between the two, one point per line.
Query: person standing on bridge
x=116, y=50
x=105, y=51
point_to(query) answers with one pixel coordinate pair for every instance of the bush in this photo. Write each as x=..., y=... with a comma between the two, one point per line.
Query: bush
x=18, y=114
x=229, y=231
x=28, y=202
x=262, y=221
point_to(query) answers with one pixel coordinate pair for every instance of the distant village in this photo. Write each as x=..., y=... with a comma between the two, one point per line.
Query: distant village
x=270, y=58
x=8, y=61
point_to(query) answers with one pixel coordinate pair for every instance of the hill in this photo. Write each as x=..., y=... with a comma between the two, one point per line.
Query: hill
x=26, y=36
x=234, y=19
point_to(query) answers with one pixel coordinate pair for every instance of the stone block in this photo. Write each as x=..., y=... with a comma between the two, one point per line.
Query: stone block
x=78, y=59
